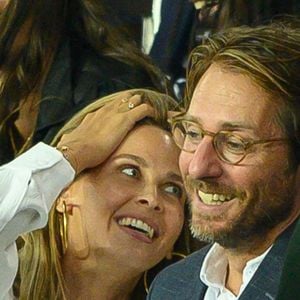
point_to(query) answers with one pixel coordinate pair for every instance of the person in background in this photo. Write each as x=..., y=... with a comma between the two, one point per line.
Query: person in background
x=240, y=161
x=217, y=15
x=171, y=43
x=55, y=58
x=185, y=23
x=115, y=220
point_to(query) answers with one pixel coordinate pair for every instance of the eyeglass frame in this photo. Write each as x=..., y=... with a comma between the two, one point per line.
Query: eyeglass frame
x=247, y=144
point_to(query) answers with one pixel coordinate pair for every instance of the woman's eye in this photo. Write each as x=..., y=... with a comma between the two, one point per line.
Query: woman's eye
x=130, y=171
x=174, y=189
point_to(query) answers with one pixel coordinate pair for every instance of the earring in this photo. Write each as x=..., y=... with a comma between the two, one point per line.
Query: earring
x=146, y=286
x=63, y=227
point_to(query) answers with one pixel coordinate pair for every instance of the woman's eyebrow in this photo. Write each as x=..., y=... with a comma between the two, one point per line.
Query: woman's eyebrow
x=174, y=177
x=138, y=159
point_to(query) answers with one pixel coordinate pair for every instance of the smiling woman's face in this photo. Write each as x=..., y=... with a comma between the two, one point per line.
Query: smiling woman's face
x=132, y=205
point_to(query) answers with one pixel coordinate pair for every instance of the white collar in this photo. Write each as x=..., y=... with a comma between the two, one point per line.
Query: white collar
x=214, y=268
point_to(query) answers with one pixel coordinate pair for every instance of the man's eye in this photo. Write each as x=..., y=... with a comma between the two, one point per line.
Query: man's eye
x=235, y=145
x=130, y=171
x=174, y=189
x=193, y=134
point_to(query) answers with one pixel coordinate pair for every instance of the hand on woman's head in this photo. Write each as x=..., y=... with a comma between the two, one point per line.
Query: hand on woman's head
x=101, y=131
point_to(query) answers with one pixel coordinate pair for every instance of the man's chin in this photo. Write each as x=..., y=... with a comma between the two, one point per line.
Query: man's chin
x=206, y=228
x=217, y=230
x=222, y=237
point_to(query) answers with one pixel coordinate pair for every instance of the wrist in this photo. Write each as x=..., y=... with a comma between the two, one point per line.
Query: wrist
x=69, y=156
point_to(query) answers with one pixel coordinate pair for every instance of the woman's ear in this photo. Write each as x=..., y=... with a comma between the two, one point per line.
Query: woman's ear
x=65, y=198
x=77, y=237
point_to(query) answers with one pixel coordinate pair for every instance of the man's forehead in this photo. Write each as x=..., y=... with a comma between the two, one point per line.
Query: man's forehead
x=229, y=99
x=227, y=84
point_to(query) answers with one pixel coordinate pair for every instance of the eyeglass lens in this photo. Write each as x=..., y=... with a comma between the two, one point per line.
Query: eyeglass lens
x=188, y=135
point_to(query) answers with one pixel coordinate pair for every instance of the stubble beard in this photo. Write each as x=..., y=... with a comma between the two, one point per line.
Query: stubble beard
x=263, y=206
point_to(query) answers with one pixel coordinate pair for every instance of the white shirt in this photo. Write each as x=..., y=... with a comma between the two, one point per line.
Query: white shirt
x=214, y=269
x=28, y=186
x=151, y=26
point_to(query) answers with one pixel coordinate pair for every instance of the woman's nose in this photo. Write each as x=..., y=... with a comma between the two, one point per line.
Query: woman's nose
x=150, y=199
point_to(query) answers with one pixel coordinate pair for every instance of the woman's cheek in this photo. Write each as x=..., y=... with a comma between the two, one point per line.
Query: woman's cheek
x=119, y=192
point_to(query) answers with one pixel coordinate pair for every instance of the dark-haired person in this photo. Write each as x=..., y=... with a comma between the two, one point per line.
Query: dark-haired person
x=55, y=58
x=240, y=163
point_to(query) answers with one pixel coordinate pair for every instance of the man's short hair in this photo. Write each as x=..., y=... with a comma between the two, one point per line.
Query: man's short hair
x=269, y=55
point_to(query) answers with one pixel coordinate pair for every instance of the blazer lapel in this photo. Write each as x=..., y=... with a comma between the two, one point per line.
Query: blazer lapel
x=264, y=283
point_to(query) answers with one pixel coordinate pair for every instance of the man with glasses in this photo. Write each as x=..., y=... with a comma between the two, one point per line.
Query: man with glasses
x=240, y=161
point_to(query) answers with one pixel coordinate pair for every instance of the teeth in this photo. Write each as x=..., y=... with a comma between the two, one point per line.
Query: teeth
x=213, y=199
x=139, y=224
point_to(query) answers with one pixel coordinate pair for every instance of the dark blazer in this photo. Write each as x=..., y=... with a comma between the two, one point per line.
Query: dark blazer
x=289, y=288
x=181, y=281
x=171, y=44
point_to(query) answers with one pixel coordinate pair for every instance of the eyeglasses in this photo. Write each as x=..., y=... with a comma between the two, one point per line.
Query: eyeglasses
x=229, y=147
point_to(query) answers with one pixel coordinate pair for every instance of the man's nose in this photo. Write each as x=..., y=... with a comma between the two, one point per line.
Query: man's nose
x=204, y=162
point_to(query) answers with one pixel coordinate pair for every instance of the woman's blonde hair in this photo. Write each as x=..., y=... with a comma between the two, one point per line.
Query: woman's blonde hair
x=41, y=275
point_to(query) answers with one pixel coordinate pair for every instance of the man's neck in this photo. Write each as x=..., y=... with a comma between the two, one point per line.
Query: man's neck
x=238, y=258
x=236, y=265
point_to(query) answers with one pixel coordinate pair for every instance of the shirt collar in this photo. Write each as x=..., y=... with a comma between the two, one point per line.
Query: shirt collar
x=214, y=267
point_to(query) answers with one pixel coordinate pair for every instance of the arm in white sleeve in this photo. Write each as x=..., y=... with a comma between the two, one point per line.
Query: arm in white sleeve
x=28, y=187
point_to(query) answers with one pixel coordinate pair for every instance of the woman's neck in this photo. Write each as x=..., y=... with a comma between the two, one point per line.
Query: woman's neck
x=86, y=279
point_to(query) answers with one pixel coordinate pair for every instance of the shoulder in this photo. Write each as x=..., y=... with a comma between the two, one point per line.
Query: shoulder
x=179, y=277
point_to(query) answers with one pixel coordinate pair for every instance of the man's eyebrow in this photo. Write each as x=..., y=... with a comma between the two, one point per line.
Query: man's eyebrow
x=225, y=125
x=138, y=159
x=189, y=117
x=237, y=125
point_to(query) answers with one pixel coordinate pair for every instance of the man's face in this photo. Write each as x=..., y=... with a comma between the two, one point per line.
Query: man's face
x=236, y=205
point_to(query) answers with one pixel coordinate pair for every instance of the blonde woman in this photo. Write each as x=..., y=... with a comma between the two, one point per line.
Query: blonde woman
x=117, y=220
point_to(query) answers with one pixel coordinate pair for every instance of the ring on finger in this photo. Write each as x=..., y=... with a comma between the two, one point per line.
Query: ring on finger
x=131, y=105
